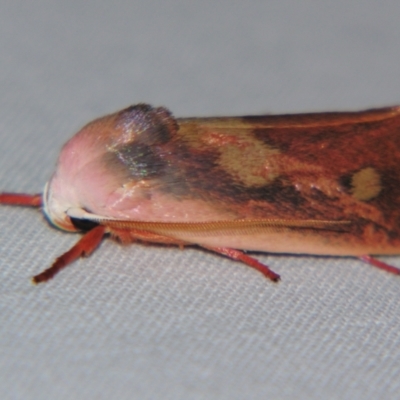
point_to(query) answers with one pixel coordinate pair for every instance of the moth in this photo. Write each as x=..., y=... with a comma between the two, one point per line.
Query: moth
x=317, y=183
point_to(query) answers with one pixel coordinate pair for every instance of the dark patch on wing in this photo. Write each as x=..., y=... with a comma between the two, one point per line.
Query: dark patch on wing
x=139, y=156
x=274, y=141
x=345, y=182
x=388, y=199
x=141, y=160
x=152, y=125
x=279, y=191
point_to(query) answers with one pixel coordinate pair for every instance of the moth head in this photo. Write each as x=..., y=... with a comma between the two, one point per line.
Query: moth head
x=56, y=210
x=109, y=156
x=80, y=174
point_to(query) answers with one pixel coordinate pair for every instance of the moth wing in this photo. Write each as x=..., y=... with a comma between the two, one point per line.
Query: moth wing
x=297, y=170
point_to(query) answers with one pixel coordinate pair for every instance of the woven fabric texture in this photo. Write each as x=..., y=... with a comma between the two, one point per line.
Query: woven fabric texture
x=145, y=322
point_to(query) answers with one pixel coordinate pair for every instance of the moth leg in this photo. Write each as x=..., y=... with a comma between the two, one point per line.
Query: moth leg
x=250, y=261
x=130, y=235
x=379, y=264
x=21, y=199
x=84, y=247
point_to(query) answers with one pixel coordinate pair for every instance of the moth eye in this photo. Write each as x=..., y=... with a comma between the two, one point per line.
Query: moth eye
x=83, y=224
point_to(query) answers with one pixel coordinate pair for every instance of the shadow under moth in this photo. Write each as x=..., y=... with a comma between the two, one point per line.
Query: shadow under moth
x=317, y=183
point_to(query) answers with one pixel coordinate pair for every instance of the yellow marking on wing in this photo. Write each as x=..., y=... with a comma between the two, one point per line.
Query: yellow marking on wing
x=366, y=184
x=250, y=163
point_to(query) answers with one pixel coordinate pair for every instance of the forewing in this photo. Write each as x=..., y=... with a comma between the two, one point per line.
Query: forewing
x=307, y=167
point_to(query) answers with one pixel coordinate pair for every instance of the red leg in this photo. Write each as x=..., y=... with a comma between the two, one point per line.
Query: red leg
x=379, y=264
x=129, y=235
x=20, y=199
x=250, y=261
x=86, y=245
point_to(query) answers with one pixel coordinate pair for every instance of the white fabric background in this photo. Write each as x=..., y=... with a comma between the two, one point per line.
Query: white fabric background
x=158, y=323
